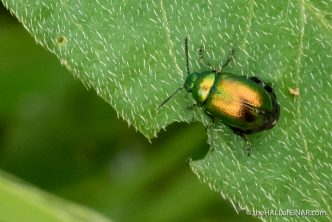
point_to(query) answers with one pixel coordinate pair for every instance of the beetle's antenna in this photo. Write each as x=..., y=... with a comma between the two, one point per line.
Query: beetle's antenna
x=203, y=60
x=229, y=59
x=186, y=53
x=188, y=71
x=168, y=98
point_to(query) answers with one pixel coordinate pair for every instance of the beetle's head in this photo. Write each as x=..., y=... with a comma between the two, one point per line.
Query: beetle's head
x=190, y=81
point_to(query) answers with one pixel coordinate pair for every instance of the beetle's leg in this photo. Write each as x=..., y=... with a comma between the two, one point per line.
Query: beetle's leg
x=213, y=123
x=243, y=135
x=229, y=59
x=213, y=119
x=266, y=85
x=249, y=145
x=203, y=60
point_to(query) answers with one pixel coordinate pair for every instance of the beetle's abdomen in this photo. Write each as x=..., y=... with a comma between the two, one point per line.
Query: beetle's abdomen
x=238, y=102
x=233, y=98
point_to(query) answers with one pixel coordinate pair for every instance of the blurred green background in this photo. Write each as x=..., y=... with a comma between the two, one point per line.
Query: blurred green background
x=60, y=137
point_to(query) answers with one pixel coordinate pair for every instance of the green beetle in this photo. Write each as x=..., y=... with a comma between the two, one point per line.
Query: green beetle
x=246, y=104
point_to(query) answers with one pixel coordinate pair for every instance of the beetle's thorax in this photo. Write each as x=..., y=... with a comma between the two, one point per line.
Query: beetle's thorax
x=200, y=84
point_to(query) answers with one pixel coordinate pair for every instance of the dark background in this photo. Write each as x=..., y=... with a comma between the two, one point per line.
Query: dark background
x=64, y=139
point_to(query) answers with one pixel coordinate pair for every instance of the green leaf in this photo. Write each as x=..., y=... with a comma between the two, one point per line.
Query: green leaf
x=22, y=202
x=132, y=54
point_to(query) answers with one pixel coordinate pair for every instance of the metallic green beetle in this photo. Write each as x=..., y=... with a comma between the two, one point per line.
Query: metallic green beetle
x=246, y=104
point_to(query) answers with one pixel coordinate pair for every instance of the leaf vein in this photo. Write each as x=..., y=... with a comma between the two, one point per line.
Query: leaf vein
x=248, y=27
x=169, y=40
x=309, y=159
x=318, y=14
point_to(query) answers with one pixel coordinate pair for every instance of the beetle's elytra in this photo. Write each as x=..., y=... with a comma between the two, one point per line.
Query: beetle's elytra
x=246, y=104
